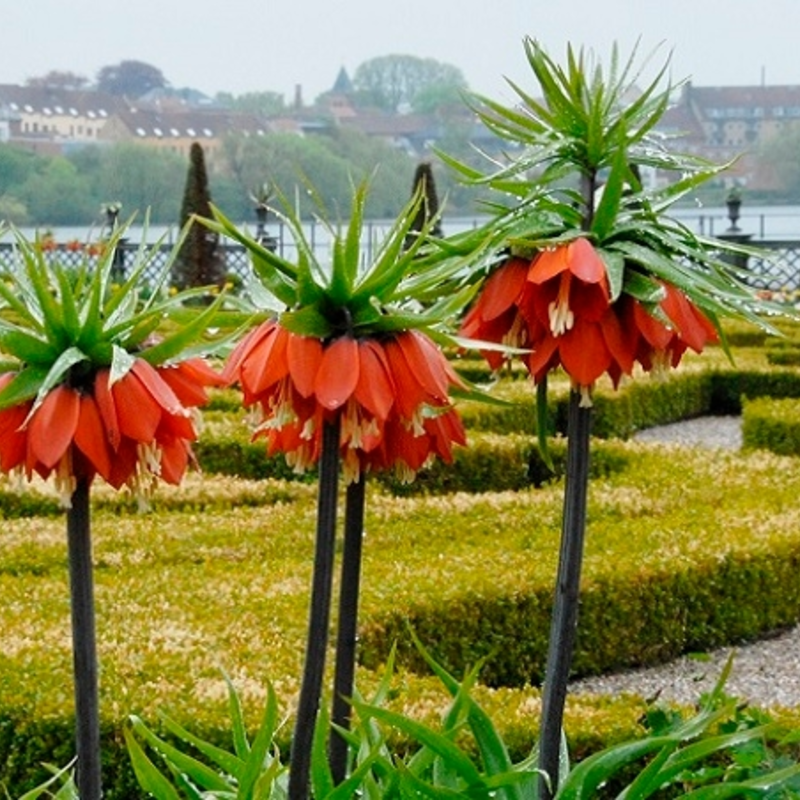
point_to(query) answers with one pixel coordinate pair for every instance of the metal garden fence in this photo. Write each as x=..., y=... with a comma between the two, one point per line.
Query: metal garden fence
x=778, y=269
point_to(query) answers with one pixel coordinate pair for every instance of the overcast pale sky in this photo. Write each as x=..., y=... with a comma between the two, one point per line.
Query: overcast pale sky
x=244, y=45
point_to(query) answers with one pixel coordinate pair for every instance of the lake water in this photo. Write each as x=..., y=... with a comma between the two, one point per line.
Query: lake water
x=760, y=222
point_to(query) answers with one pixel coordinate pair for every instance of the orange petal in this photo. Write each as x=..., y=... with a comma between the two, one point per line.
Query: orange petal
x=124, y=463
x=201, y=371
x=502, y=288
x=409, y=394
x=174, y=460
x=585, y=262
x=620, y=342
x=375, y=389
x=90, y=436
x=693, y=326
x=541, y=360
x=157, y=387
x=584, y=353
x=53, y=425
x=12, y=418
x=337, y=376
x=175, y=426
x=138, y=413
x=547, y=264
x=304, y=354
x=657, y=334
x=402, y=445
x=588, y=301
x=437, y=359
x=183, y=382
x=232, y=369
x=444, y=430
x=266, y=363
x=495, y=330
x=425, y=364
x=106, y=407
x=13, y=441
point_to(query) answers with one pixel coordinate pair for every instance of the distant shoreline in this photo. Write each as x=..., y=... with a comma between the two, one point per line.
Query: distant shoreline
x=759, y=222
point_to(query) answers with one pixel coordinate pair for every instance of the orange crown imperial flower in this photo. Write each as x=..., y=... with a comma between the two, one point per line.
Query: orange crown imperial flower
x=355, y=347
x=92, y=390
x=558, y=306
x=392, y=396
x=129, y=433
x=609, y=279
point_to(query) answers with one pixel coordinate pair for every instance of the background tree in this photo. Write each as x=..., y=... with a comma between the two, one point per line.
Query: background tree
x=445, y=100
x=59, y=79
x=334, y=161
x=17, y=164
x=145, y=180
x=58, y=192
x=779, y=162
x=130, y=78
x=264, y=104
x=150, y=180
x=393, y=81
x=13, y=210
x=388, y=169
x=199, y=262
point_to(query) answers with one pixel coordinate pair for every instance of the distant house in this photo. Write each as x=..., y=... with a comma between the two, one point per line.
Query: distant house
x=412, y=133
x=338, y=108
x=717, y=123
x=175, y=130
x=45, y=119
x=722, y=123
x=167, y=97
x=743, y=116
x=339, y=100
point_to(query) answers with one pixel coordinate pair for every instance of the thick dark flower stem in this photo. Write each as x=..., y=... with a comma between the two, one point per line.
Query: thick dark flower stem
x=565, y=612
x=348, y=624
x=319, y=615
x=84, y=645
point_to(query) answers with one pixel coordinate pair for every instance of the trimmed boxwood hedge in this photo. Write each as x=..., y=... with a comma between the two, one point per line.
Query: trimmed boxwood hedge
x=181, y=591
x=784, y=356
x=679, y=556
x=708, y=384
x=772, y=425
x=686, y=550
x=729, y=387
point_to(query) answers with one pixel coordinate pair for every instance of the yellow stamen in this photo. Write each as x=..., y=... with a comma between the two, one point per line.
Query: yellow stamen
x=351, y=467
x=64, y=480
x=403, y=472
x=355, y=427
x=517, y=334
x=559, y=313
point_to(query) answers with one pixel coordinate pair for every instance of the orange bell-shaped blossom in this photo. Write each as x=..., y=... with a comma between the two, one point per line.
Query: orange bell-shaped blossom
x=388, y=394
x=136, y=430
x=495, y=316
x=565, y=303
x=558, y=307
x=661, y=342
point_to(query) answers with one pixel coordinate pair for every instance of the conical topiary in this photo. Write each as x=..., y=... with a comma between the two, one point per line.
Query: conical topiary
x=199, y=261
x=427, y=213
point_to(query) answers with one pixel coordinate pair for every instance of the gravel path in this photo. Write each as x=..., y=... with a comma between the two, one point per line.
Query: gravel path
x=723, y=432
x=767, y=672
